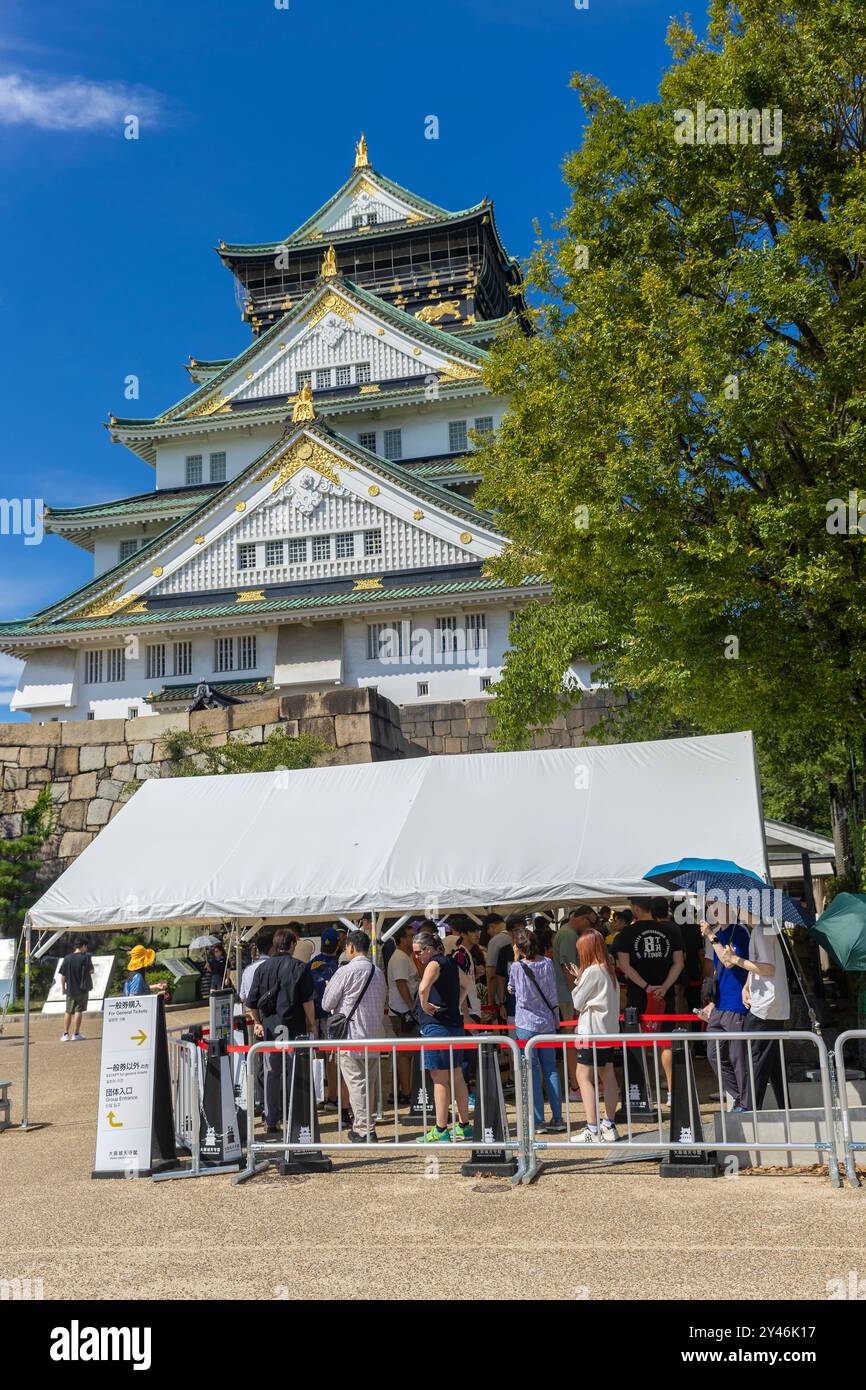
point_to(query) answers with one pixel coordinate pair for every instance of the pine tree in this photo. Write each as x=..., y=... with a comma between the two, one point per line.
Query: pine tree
x=21, y=863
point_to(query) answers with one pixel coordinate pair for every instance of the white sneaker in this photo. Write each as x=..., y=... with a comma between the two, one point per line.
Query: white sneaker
x=669, y=1100
x=77, y=1037
x=584, y=1136
x=64, y=1037
x=609, y=1132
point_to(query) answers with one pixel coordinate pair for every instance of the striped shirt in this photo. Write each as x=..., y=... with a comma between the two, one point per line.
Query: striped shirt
x=344, y=988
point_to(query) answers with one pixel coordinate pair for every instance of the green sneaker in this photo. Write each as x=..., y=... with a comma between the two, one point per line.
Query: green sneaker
x=463, y=1132
x=435, y=1136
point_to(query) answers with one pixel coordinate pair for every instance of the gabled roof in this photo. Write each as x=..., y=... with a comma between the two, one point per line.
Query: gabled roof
x=101, y=593
x=423, y=210
x=79, y=523
x=195, y=402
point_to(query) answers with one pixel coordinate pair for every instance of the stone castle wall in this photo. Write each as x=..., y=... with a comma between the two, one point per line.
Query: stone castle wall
x=466, y=726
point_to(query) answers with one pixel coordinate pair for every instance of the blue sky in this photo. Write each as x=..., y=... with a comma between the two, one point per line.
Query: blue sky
x=248, y=116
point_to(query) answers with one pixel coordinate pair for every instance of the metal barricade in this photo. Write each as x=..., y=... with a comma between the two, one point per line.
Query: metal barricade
x=185, y=1082
x=380, y=1055
x=850, y=1145
x=648, y=1141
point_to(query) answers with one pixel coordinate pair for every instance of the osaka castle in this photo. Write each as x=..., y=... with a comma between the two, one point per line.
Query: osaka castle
x=311, y=523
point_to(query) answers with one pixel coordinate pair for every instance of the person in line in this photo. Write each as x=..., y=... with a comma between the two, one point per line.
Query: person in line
x=440, y=1008
x=532, y=985
x=768, y=1000
x=263, y=946
x=323, y=967
x=403, y=981
x=544, y=937
x=76, y=972
x=595, y=997
x=281, y=1003
x=467, y=935
x=140, y=958
x=580, y=919
x=650, y=956
x=359, y=991
x=727, y=1014
x=497, y=939
x=218, y=966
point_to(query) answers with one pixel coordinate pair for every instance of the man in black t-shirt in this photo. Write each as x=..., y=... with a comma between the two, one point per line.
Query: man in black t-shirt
x=650, y=955
x=76, y=972
x=282, y=1004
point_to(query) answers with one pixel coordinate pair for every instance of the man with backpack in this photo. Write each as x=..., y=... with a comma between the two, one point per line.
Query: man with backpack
x=281, y=1002
x=355, y=997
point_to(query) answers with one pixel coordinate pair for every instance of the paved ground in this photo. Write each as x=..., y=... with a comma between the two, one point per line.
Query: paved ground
x=380, y=1228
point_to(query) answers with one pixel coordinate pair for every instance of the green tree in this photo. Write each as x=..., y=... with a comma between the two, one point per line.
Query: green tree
x=693, y=402
x=21, y=864
x=196, y=755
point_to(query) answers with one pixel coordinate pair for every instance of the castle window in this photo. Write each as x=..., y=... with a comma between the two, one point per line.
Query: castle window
x=246, y=557
x=298, y=550
x=446, y=635
x=224, y=654
x=154, y=662
x=246, y=653
x=362, y=373
x=345, y=545
x=393, y=444
x=457, y=436
x=372, y=542
x=486, y=682
x=104, y=665
x=303, y=379
x=128, y=549
x=367, y=440
x=384, y=642
x=183, y=658
x=321, y=547
x=344, y=376
x=484, y=424
x=193, y=469
x=423, y=689
x=476, y=631
x=274, y=553
x=218, y=468
x=323, y=379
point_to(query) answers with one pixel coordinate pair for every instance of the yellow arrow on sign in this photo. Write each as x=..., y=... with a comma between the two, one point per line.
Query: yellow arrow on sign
x=139, y=1037
x=111, y=1120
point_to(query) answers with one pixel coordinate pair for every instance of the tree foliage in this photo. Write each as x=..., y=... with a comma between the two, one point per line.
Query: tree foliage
x=196, y=754
x=21, y=863
x=693, y=401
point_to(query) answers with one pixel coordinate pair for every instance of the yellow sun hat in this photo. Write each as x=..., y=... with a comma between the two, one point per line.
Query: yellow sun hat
x=140, y=957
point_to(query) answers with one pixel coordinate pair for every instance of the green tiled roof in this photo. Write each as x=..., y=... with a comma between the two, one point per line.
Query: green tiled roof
x=439, y=495
x=429, y=210
x=355, y=599
x=166, y=502
x=438, y=338
x=458, y=467
x=170, y=693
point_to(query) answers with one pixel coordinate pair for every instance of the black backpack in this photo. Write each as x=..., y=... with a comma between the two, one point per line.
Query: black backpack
x=267, y=1005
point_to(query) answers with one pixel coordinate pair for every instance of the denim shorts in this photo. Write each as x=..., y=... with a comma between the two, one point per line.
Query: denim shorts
x=439, y=1058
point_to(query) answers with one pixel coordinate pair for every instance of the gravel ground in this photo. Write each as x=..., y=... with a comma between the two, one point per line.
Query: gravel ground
x=583, y=1230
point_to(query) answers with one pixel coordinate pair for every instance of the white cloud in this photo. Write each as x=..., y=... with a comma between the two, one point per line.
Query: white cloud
x=10, y=668
x=74, y=104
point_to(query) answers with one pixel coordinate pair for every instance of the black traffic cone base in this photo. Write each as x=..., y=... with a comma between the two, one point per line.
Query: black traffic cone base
x=685, y=1125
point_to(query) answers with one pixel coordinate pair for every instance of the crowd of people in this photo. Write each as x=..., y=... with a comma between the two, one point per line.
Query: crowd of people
x=529, y=975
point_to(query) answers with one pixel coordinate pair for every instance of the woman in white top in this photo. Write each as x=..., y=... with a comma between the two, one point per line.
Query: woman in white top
x=596, y=1002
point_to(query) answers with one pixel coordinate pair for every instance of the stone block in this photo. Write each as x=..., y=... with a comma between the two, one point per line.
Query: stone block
x=348, y=753
x=109, y=789
x=59, y=793
x=73, y=842
x=459, y=728
x=117, y=753
x=453, y=745
x=24, y=801
x=153, y=726
x=322, y=726
x=91, y=758
x=98, y=812
x=441, y=726
x=208, y=721
x=79, y=732
x=348, y=700
x=33, y=757
x=142, y=752
x=14, y=778
x=72, y=815
x=351, y=728
x=252, y=733
x=144, y=772
x=255, y=712
x=38, y=776
x=30, y=735
x=83, y=787
x=66, y=762
x=123, y=772
x=436, y=744
x=11, y=826
x=10, y=755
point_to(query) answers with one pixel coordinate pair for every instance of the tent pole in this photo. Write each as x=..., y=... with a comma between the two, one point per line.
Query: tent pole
x=236, y=927
x=25, y=1091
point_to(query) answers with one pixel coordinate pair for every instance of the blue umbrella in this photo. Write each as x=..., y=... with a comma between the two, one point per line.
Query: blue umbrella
x=723, y=875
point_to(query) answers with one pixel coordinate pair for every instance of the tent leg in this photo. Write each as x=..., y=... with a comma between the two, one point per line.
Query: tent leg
x=25, y=1090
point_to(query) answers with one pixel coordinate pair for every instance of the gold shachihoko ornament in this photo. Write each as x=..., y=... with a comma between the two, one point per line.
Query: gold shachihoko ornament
x=361, y=158
x=329, y=264
x=304, y=408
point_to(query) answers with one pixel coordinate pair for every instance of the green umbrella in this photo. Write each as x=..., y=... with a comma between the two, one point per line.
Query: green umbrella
x=842, y=930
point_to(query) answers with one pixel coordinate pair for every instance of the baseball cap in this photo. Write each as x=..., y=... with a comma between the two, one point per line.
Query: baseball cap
x=330, y=936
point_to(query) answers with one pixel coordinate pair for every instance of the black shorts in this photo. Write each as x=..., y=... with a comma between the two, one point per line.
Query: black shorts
x=599, y=1056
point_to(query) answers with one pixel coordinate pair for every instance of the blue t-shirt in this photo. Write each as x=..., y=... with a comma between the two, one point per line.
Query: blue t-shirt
x=323, y=968
x=731, y=980
x=135, y=984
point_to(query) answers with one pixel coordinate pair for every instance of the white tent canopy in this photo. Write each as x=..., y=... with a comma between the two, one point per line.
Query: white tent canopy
x=468, y=831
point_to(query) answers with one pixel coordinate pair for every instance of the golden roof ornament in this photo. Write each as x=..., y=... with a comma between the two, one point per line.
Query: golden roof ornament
x=304, y=408
x=361, y=159
x=329, y=264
